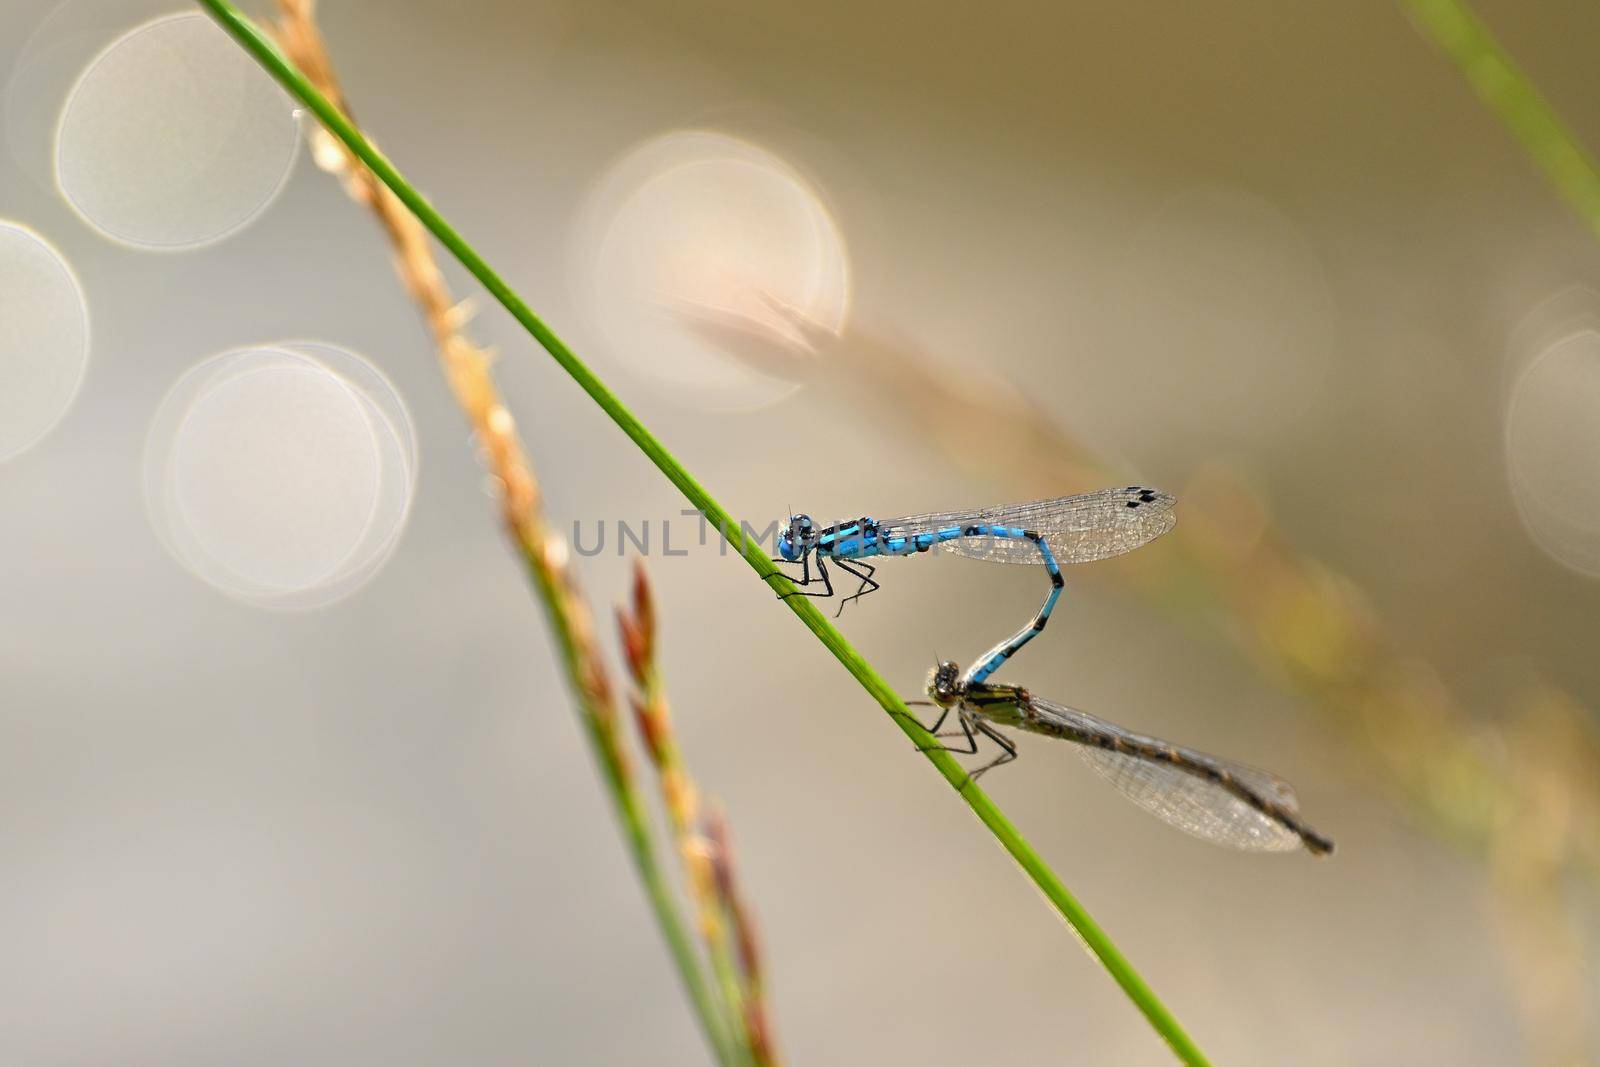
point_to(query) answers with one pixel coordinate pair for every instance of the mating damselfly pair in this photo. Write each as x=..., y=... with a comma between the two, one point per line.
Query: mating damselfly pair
x=1212, y=798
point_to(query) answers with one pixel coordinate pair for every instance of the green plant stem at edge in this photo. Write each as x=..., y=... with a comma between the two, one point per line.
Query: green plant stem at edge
x=1515, y=101
x=1095, y=939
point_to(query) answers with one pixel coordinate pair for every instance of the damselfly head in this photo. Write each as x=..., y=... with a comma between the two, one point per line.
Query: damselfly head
x=944, y=684
x=796, y=540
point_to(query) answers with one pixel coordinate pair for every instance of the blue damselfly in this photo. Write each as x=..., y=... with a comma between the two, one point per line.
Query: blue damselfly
x=1070, y=529
x=1211, y=798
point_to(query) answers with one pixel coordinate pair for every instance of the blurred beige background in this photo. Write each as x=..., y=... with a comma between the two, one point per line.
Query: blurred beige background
x=1280, y=239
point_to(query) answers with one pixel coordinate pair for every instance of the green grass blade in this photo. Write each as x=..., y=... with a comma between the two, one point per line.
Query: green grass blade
x=1512, y=97
x=1093, y=938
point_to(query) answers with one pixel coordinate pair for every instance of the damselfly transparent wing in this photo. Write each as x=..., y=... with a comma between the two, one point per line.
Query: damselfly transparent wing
x=1199, y=794
x=1078, y=529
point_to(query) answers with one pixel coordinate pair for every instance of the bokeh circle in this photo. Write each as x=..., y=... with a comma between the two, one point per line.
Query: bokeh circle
x=44, y=337
x=696, y=228
x=281, y=475
x=173, y=137
x=1552, y=448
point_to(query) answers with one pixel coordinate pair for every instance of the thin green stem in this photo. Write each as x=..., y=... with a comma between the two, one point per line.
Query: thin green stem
x=1093, y=937
x=1511, y=95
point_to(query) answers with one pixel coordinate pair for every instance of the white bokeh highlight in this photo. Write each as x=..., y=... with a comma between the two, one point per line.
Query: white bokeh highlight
x=701, y=223
x=44, y=338
x=1552, y=448
x=173, y=137
x=281, y=475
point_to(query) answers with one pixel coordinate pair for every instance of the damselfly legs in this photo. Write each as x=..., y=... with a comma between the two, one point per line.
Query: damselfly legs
x=820, y=545
x=1212, y=798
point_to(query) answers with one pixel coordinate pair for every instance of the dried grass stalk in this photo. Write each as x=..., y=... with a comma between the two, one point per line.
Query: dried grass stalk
x=726, y=926
x=469, y=370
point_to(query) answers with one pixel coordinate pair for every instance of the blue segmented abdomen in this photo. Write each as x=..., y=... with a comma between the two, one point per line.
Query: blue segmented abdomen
x=854, y=542
x=865, y=537
x=996, y=657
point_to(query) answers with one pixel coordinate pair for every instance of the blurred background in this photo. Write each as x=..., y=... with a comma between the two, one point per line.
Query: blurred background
x=287, y=767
